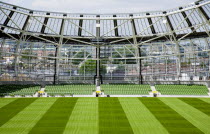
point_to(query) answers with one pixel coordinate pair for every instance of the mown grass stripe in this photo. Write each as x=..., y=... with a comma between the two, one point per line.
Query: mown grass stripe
x=84, y=117
x=193, y=115
x=25, y=120
x=10, y=110
x=198, y=104
x=169, y=118
x=112, y=119
x=5, y=101
x=207, y=100
x=141, y=119
x=56, y=118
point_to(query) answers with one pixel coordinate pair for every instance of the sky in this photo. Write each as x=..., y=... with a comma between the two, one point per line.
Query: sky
x=100, y=6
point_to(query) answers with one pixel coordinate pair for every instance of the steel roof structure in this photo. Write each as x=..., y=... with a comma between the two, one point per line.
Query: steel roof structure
x=152, y=39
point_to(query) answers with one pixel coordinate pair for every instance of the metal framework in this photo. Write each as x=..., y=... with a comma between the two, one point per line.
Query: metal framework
x=172, y=45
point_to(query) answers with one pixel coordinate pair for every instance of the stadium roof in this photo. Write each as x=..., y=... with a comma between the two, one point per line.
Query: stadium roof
x=176, y=24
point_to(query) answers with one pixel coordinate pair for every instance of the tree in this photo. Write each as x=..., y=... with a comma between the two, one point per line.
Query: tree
x=25, y=55
x=89, y=67
x=50, y=55
x=82, y=54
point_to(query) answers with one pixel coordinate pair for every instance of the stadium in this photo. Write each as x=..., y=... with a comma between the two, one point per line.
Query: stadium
x=146, y=72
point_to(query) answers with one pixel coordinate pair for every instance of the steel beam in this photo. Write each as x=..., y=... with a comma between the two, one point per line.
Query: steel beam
x=133, y=25
x=80, y=26
x=25, y=24
x=206, y=18
x=187, y=19
x=8, y=18
x=45, y=23
x=151, y=24
x=169, y=23
x=115, y=25
x=205, y=15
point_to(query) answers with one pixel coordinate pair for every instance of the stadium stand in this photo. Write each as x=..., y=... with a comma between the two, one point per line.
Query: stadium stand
x=182, y=89
x=126, y=89
x=69, y=90
x=22, y=90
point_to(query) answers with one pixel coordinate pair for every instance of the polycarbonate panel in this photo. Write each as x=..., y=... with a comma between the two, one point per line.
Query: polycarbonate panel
x=53, y=26
x=35, y=24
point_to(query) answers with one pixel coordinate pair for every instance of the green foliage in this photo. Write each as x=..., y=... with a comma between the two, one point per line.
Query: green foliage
x=146, y=64
x=50, y=55
x=25, y=53
x=81, y=54
x=202, y=64
x=89, y=67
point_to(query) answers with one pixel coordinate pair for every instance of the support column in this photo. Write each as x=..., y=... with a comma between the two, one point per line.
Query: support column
x=98, y=79
x=138, y=50
x=171, y=30
x=17, y=53
x=1, y=56
x=140, y=67
x=56, y=72
x=57, y=52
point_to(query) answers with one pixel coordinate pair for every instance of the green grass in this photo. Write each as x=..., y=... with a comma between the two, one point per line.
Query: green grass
x=4, y=101
x=198, y=104
x=169, y=118
x=112, y=118
x=10, y=110
x=193, y=115
x=56, y=118
x=25, y=120
x=104, y=115
x=141, y=119
x=84, y=117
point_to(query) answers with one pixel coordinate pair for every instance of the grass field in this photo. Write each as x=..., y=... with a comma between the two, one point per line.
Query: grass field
x=104, y=115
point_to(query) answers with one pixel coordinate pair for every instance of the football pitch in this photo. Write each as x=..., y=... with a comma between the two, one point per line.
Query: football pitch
x=104, y=115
